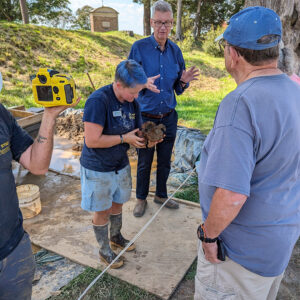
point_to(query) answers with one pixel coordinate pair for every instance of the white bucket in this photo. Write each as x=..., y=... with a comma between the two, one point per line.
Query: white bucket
x=29, y=200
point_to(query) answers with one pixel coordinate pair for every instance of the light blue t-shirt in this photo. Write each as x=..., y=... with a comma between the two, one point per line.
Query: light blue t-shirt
x=254, y=149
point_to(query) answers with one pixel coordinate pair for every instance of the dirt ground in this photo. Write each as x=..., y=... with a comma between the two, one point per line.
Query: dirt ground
x=71, y=127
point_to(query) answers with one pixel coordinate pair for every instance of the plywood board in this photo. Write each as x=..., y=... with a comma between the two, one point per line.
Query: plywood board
x=25, y=118
x=163, y=253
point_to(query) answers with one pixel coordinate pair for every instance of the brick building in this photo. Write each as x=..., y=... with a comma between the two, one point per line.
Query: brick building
x=104, y=19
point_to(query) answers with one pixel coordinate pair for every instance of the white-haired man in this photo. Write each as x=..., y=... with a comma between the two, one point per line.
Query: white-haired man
x=158, y=55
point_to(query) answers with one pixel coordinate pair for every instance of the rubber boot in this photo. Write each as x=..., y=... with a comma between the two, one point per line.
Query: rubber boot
x=105, y=252
x=116, y=238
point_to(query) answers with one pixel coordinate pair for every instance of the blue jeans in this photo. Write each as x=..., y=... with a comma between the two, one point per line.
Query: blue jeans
x=164, y=153
x=17, y=271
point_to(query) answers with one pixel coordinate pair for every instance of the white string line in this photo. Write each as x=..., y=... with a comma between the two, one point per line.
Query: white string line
x=134, y=239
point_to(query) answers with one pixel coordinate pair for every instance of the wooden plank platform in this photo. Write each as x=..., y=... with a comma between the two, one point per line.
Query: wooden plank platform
x=163, y=254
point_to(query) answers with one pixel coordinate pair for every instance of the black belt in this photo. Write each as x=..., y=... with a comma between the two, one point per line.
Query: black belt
x=157, y=116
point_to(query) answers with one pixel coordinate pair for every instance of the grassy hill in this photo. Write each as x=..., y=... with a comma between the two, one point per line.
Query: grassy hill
x=25, y=48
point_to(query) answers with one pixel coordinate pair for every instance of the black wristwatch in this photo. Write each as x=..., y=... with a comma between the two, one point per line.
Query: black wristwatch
x=202, y=236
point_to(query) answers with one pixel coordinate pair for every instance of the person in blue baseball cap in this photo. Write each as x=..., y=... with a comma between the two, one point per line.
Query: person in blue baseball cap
x=249, y=172
x=16, y=260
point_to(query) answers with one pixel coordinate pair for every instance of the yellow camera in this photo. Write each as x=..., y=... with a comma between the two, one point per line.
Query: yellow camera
x=50, y=88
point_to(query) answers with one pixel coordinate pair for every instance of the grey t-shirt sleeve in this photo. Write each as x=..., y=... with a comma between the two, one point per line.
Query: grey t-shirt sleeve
x=231, y=159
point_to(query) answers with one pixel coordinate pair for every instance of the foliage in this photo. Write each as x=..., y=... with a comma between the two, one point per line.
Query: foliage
x=40, y=11
x=10, y=10
x=215, y=12
x=63, y=20
x=209, y=45
x=212, y=14
x=82, y=20
x=188, y=43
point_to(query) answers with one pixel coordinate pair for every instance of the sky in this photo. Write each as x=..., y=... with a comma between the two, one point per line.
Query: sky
x=130, y=14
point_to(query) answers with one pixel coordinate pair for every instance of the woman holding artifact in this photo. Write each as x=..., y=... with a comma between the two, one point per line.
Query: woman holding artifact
x=111, y=120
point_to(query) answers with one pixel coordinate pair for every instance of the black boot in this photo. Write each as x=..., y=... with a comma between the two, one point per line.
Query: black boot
x=105, y=252
x=116, y=238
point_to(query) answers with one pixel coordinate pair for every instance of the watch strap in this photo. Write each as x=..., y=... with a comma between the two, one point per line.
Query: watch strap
x=202, y=235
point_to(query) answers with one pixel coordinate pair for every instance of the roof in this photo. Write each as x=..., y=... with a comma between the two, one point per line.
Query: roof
x=104, y=9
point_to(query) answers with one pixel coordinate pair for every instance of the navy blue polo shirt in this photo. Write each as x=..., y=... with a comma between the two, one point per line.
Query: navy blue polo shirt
x=169, y=64
x=13, y=142
x=103, y=108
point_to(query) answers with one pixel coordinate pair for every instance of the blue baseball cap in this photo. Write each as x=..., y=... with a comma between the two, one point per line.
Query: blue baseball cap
x=249, y=25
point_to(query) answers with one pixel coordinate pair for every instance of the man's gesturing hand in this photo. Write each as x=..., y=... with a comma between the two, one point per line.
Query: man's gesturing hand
x=190, y=75
x=150, y=84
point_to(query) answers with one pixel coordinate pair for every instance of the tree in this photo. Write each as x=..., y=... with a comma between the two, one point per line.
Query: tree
x=199, y=16
x=39, y=11
x=179, y=36
x=24, y=11
x=147, y=15
x=10, y=10
x=289, y=12
x=197, y=28
x=82, y=20
x=43, y=11
x=64, y=20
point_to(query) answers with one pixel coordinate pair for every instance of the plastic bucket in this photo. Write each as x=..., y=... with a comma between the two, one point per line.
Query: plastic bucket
x=29, y=200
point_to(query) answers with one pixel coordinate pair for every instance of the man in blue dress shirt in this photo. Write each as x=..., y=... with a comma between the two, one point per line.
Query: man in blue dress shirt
x=158, y=55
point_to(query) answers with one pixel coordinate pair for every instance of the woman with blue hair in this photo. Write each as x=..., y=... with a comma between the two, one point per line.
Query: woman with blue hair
x=111, y=120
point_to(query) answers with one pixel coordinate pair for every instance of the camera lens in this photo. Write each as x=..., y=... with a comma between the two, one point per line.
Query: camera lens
x=42, y=78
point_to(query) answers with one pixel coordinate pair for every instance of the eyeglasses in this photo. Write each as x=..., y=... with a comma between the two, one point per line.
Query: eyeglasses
x=222, y=44
x=167, y=24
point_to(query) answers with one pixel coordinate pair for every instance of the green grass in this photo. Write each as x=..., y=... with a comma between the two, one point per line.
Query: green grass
x=189, y=193
x=190, y=275
x=106, y=288
x=25, y=48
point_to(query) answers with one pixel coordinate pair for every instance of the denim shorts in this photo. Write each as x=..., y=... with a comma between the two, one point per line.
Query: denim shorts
x=100, y=189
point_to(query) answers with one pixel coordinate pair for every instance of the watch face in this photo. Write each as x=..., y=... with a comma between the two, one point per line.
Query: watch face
x=200, y=233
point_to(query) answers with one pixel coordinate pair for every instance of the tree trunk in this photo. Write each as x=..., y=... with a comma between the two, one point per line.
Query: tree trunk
x=24, y=11
x=179, y=36
x=196, y=28
x=289, y=12
x=147, y=28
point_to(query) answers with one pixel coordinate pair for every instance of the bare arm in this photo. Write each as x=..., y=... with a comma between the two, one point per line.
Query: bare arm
x=95, y=139
x=224, y=207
